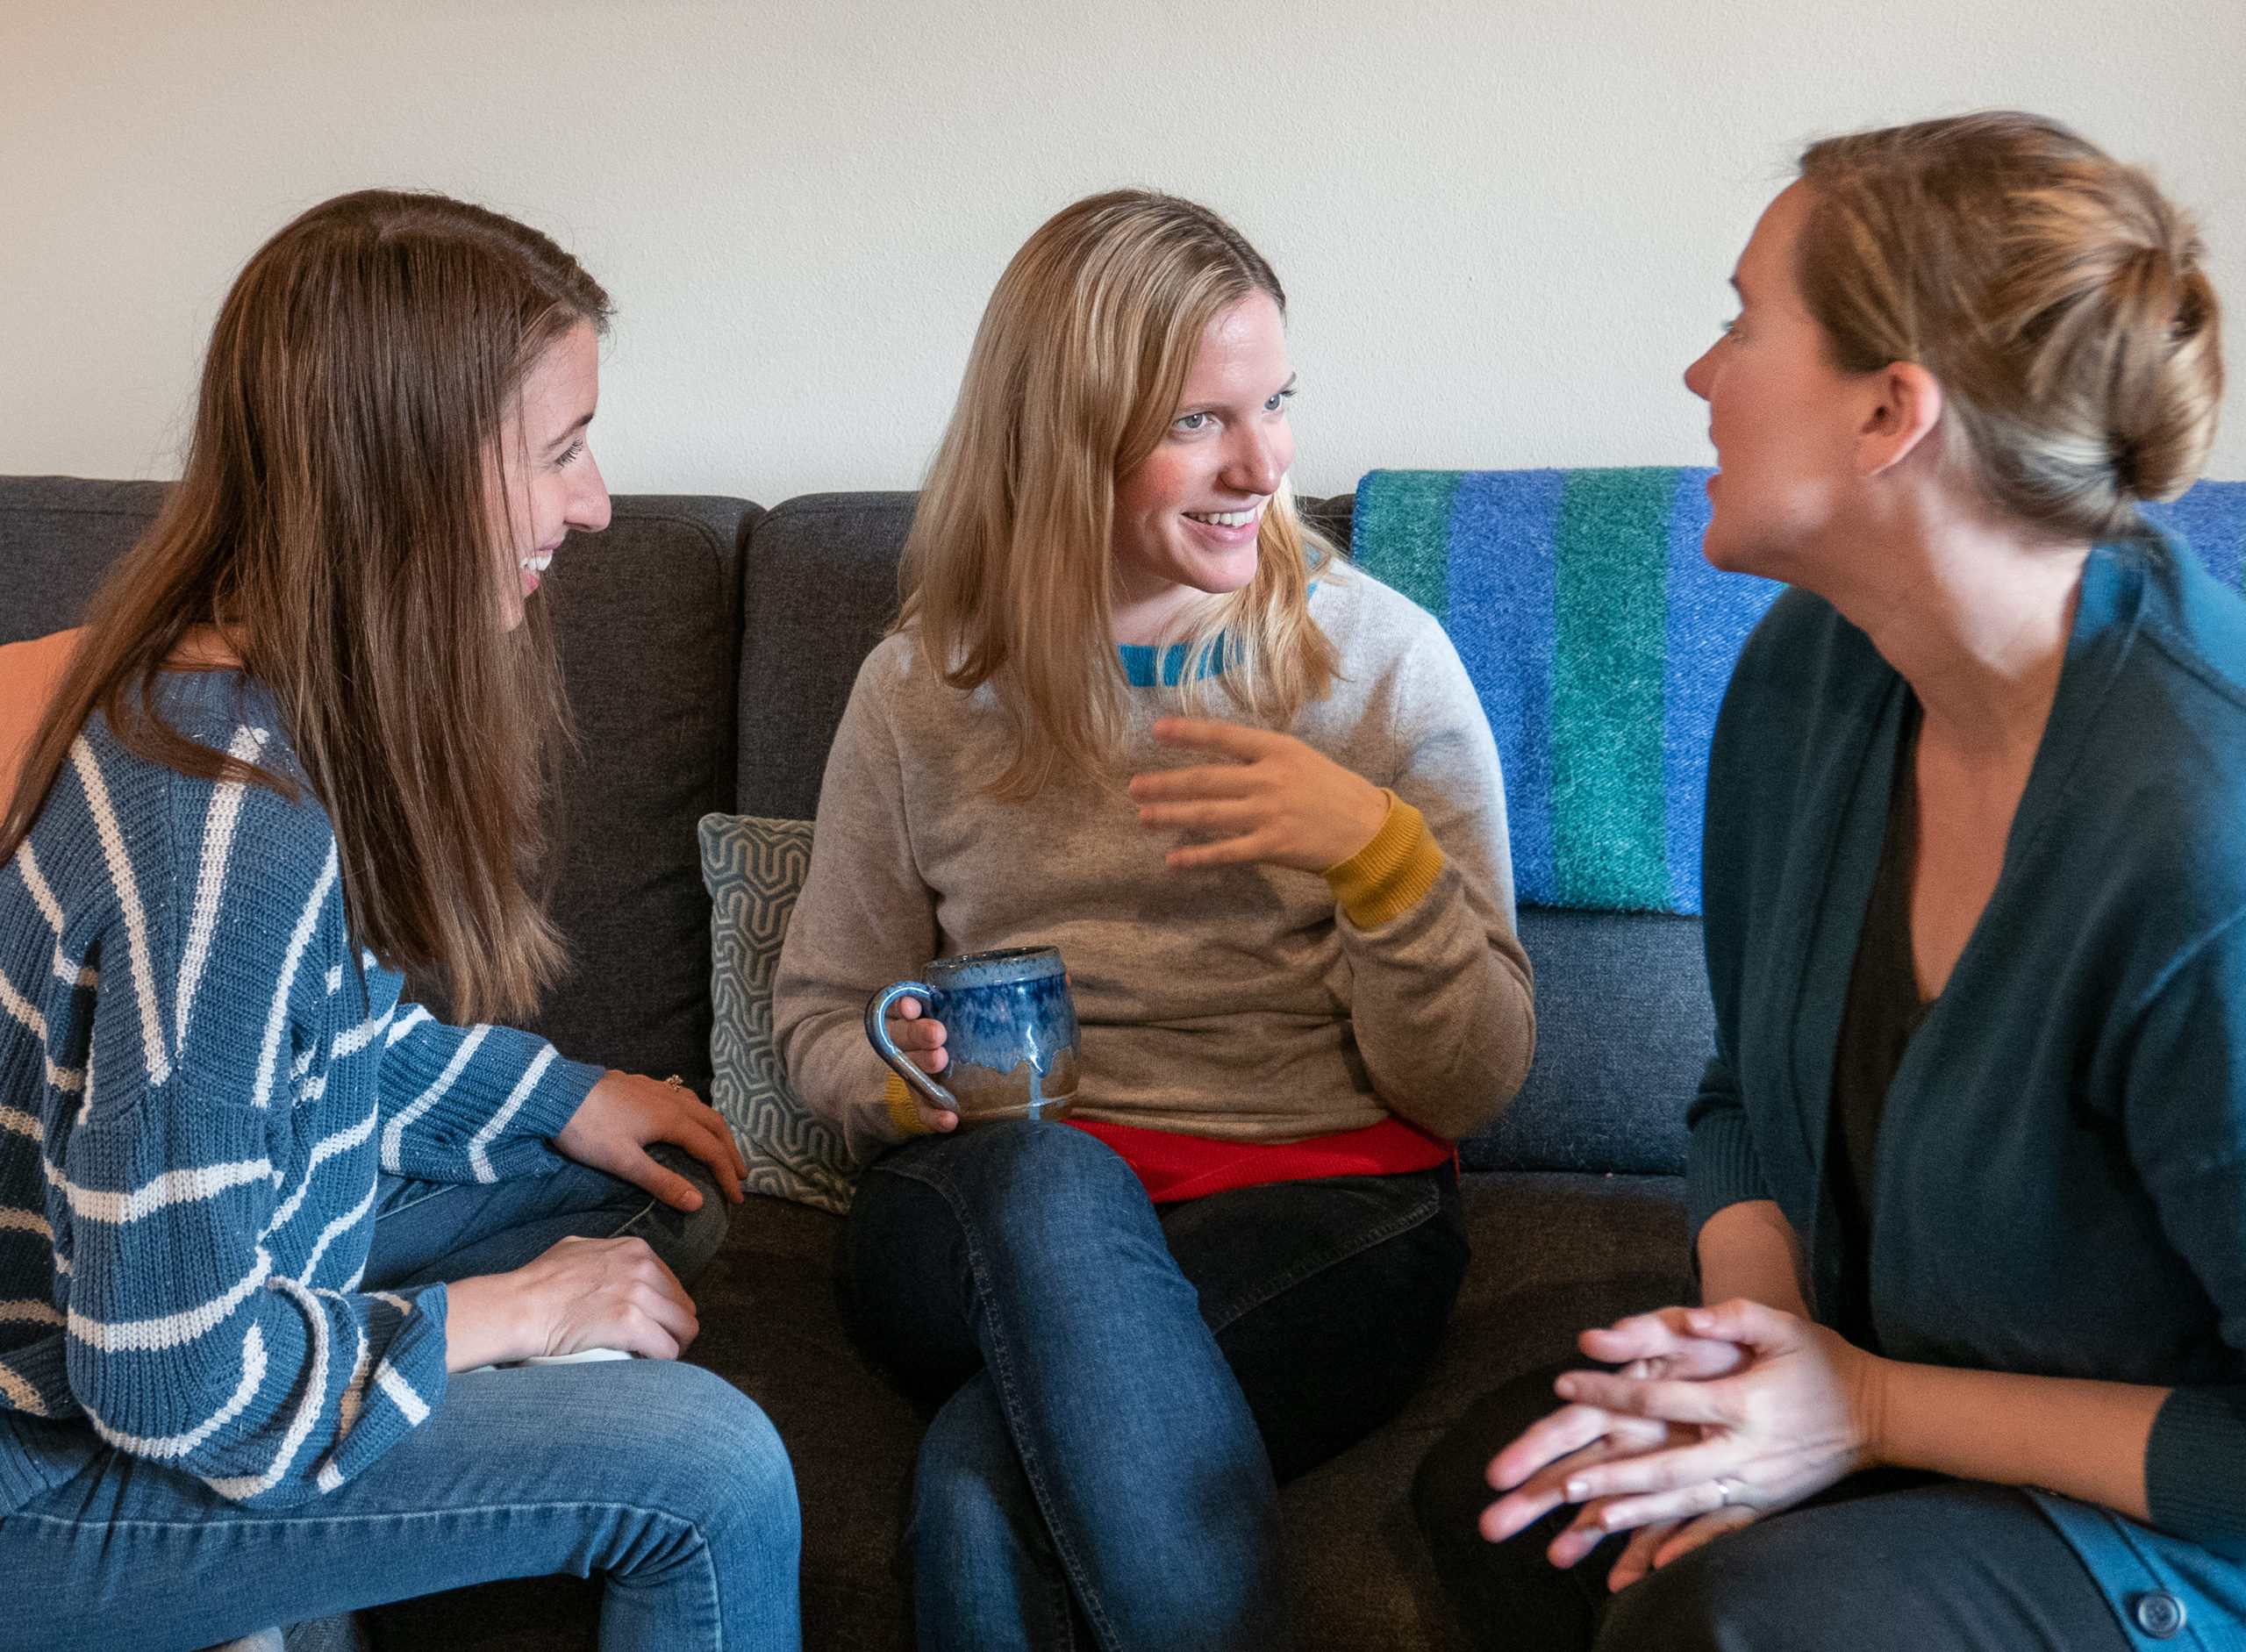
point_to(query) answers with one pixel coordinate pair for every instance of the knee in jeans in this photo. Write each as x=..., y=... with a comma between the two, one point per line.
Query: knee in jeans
x=685, y=1240
x=1045, y=1167
x=730, y=1468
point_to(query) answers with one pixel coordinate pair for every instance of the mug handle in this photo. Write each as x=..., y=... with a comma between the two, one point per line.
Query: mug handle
x=877, y=1034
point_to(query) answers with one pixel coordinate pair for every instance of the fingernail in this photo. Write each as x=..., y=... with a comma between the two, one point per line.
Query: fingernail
x=1565, y=1388
x=1577, y=1490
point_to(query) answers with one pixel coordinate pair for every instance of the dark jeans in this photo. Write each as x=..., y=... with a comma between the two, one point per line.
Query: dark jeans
x=1884, y=1561
x=1108, y=1378
x=662, y=1475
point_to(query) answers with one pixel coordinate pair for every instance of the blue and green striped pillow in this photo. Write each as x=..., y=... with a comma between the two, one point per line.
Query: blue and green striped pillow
x=1600, y=643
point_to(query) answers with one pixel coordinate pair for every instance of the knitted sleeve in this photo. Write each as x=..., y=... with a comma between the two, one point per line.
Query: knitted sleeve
x=188, y=1344
x=865, y=917
x=1441, y=1001
x=475, y=1104
x=2185, y=1122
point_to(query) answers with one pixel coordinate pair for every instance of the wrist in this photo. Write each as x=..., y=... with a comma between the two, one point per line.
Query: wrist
x=1871, y=1383
x=1395, y=867
x=488, y=1320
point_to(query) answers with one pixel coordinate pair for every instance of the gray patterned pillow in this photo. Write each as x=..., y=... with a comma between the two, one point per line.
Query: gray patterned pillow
x=753, y=869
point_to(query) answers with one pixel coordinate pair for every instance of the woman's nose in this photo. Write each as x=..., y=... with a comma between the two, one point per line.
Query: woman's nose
x=1697, y=377
x=1255, y=464
x=588, y=510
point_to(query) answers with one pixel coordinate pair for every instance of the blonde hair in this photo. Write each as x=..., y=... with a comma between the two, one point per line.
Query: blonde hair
x=2056, y=294
x=1075, y=376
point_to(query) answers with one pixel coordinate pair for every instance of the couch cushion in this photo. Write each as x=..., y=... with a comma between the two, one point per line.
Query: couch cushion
x=1624, y=1029
x=646, y=617
x=819, y=587
x=58, y=536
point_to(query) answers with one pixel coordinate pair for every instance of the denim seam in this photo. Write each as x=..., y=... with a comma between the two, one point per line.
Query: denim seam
x=278, y=1519
x=632, y=1221
x=998, y=1360
x=1318, y=1262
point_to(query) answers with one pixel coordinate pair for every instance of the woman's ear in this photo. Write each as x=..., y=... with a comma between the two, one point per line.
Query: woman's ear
x=1906, y=404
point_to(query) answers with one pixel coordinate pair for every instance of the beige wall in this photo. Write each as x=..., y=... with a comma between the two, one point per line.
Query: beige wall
x=1504, y=224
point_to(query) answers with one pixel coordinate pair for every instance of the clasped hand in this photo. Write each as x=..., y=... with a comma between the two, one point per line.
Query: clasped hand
x=1717, y=1417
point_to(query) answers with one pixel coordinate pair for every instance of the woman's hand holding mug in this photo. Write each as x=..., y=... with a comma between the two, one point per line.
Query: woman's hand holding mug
x=1719, y=1415
x=1277, y=800
x=920, y=1036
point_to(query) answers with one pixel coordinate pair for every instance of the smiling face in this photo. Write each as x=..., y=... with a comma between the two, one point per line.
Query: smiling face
x=1188, y=518
x=1785, y=421
x=546, y=482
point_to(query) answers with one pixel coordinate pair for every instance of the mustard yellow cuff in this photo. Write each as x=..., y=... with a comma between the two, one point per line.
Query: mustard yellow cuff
x=1386, y=879
x=896, y=1100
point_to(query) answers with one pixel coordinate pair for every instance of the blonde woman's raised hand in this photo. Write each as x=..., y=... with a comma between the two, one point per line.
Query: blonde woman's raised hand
x=1271, y=798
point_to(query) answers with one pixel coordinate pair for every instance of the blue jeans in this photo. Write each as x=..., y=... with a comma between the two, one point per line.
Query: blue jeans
x=660, y=1474
x=1095, y=1472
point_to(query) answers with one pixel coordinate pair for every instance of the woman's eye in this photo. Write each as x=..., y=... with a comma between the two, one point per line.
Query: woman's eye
x=1192, y=421
x=1730, y=328
x=1278, y=401
x=569, y=455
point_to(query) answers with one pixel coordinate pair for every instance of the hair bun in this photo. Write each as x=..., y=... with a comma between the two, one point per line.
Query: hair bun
x=2054, y=292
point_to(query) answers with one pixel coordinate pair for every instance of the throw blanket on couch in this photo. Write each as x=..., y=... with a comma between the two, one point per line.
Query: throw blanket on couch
x=1601, y=643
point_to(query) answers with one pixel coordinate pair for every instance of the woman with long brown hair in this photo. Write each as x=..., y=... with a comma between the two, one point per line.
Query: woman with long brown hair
x=1966, y=1185
x=265, y=1226
x=1132, y=711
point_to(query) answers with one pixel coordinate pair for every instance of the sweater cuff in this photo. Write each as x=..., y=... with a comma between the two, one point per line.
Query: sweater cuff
x=2195, y=1468
x=897, y=1101
x=1386, y=879
x=1720, y=1169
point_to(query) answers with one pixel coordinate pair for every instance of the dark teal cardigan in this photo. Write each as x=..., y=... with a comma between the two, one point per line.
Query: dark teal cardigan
x=2061, y=1178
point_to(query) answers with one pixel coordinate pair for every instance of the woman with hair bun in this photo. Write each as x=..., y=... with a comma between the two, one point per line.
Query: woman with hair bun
x=1967, y=1182
x=1132, y=711
x=264, y=1225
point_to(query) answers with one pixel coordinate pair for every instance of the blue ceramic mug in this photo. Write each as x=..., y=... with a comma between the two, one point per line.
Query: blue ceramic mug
x=1009, y=1029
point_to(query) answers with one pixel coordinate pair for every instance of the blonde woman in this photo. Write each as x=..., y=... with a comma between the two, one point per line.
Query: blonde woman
x=1966, y=1177
x=1129, y=712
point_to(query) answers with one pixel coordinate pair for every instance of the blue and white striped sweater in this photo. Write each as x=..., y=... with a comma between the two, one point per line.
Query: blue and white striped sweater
x=196, y=1094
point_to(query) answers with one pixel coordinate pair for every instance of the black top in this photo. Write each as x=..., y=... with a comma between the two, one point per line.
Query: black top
x=1881, y=1014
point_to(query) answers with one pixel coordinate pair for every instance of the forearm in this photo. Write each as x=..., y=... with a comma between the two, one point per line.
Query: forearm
x=1750, y=1249
x=1441, y=1007
x=2082, y=1438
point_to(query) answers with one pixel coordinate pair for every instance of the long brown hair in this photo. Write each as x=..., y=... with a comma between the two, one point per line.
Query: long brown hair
x=2060, y=298
x=333, y=521
x=1074, y=377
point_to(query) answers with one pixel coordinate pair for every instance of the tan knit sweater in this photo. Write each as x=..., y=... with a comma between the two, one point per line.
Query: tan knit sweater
x=1240, y=1002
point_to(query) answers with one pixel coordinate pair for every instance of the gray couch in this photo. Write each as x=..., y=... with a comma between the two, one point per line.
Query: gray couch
x=710, y=646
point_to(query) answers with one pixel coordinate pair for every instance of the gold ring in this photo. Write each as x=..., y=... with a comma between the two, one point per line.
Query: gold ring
x=674, y=1081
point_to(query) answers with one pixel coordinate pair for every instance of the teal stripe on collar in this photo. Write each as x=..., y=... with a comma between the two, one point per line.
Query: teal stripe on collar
x=1140, y=670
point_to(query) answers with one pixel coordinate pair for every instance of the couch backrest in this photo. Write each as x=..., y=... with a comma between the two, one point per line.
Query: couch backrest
x=647, y=620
